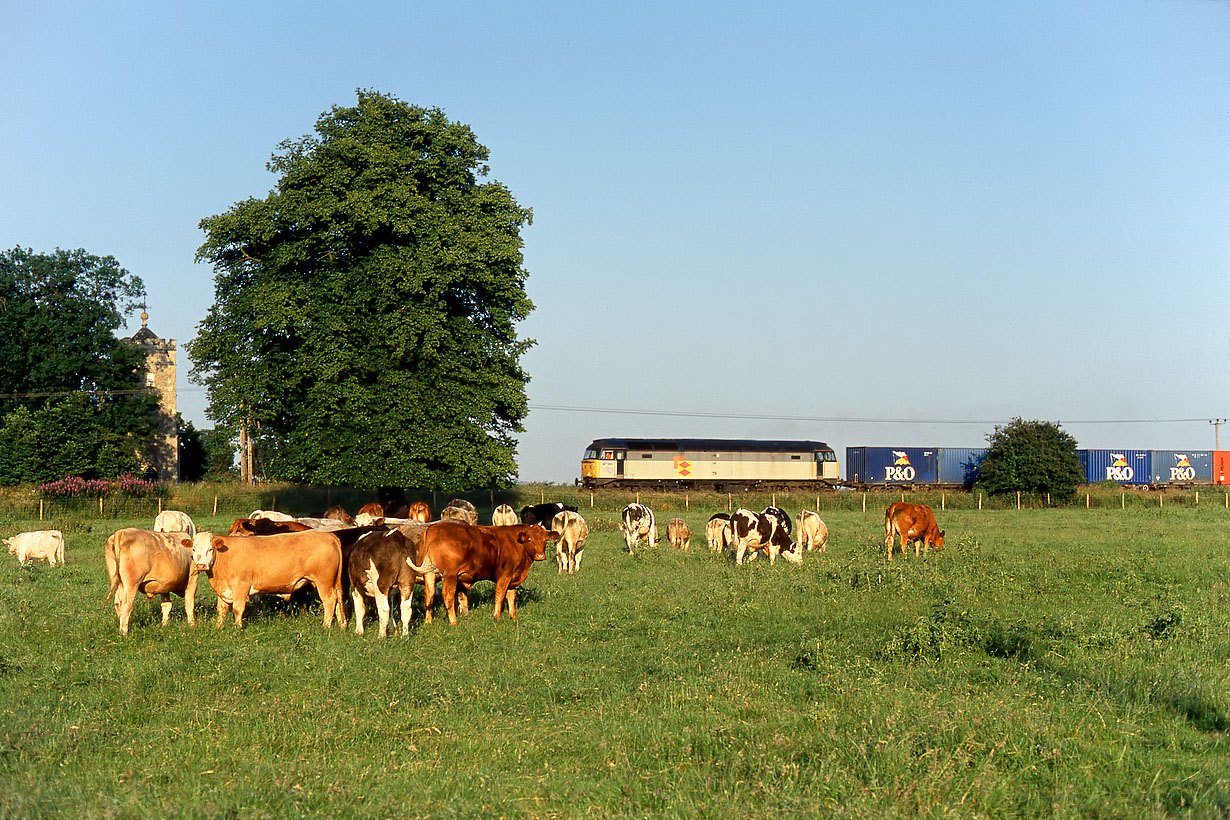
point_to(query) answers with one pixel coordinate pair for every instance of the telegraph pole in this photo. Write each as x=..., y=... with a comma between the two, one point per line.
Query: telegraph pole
x=1217, y=423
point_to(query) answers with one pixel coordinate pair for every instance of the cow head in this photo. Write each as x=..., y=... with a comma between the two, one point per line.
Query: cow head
x=534, y=540
x=938, y=542
x=12, y=546
x=203, y=552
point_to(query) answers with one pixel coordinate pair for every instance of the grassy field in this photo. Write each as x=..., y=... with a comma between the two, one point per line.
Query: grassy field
x=1048, y=663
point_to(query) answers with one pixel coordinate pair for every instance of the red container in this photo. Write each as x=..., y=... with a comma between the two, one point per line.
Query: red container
x=1221, y=466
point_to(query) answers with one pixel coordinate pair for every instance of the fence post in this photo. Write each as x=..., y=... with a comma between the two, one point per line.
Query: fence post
x=864, y=503
x=1018, y=499
x=1086, y=500
x=687, y=504
x=1123, y=501
x=100, y=511
x=980, y=502
x=728, y=502
x=817, y=503
x=215, y=505
x=160, y=505
x=591, y=500
x=40, y=509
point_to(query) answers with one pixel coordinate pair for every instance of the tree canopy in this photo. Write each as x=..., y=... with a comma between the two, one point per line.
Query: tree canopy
x=363, y=329
x=73, y=402
x=1031, y=456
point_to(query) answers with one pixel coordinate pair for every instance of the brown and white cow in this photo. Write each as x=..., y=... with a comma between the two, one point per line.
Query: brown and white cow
x=913, y=522
x=378, y=564
x=240, y=565
x=717, y=532
x=419, y=511
x=678, y=533
x=465, y=553
x=174, y=521
x=637, y=522
x=44, y=544
x=760, y=532
x=543, y=514
x=573, y=533
x=153, y=563
x=369, y=514
x=460, y=510
x=503, y=515
x=813, y=532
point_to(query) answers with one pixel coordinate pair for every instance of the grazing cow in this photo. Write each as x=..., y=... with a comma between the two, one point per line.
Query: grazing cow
x=419, y=511
x=272, y=515
x=813, y=533
x=503, y=515
x=264, y=526
x=678, y=533
x=760, y=532
x=464, y=553
x=174, y=521
x=717, y=532
x=240, y=565
x=783, y=518
x=378, y=564
x=460, y=510
x=637, y=522
x=913, y=522
x=338, y=513
x=29, y=546
x=544, y=514
x=369, y=514
x=154, y=563
x=573, y=533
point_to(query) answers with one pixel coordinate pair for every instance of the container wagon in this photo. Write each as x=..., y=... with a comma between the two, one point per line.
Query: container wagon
x=892, y=466
x=721, y=464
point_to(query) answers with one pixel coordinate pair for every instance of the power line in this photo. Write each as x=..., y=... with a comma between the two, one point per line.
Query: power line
x=828, y=419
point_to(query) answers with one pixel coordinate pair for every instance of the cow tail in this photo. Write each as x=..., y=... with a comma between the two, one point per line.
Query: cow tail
x=113, y=566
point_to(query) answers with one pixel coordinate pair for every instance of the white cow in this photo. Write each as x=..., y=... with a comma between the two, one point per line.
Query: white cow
x=503, y=516
x=272, y=515
x=48, y=544
x=813, y=533
x=573, y=533
x=174, y=521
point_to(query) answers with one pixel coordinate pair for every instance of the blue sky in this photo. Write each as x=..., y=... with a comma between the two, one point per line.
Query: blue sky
x=869, y=224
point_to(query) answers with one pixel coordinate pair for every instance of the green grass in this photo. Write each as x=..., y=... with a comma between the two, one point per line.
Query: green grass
x=1047, y=663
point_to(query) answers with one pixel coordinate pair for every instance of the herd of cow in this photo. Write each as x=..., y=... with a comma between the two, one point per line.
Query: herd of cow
x=371, y=554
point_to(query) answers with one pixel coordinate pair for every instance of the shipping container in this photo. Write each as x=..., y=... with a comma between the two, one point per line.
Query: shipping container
x=1221, y=466
x=1122, y=466
x=892, y=465
x=1182, y=466
x=959, y=465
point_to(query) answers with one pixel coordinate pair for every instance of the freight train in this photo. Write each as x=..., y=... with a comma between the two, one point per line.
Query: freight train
x=737, y=464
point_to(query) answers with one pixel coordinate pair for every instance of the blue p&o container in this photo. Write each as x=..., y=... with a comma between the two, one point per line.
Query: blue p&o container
x=892, y=465
x=1122, y=466
x=1182, y=466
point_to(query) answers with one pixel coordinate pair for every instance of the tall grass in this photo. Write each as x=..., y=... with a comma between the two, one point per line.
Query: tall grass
x=1046, y=663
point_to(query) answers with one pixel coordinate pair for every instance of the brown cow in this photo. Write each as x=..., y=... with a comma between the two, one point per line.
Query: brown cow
x=338, y=513
x=240, y=565
x=155, y=563
x=371, y=513
x=419, y=511
x=264, y=526
x=465, y=553
x=678, y=533
x=913, y=522
x=378, y=564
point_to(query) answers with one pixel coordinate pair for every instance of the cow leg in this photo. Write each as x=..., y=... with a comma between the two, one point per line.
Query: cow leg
x=124, y=599
x=501, y=590
x=382, y=610
x=463, y=599
x=407, y=606
x=166, y=607
x=360, y=609
x=512, y=604
x=429, y=595
x=190, y=598
x=238, y=606
x=450, y=598
x=223, y=608
x=576, y=560
x=740, y=551
x=561, y=557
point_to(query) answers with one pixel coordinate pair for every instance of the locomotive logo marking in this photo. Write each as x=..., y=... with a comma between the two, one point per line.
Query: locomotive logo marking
x=900, y=469
x=1119, y=469
x=1183, y=470
x=683, y=467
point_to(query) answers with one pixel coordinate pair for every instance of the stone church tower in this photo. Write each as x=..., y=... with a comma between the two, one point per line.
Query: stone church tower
x=160, y=375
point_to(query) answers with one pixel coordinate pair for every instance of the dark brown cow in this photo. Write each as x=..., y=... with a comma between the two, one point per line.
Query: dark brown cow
x=264, y=526
x=913, y=522
x=465, y=553
x=378, y=564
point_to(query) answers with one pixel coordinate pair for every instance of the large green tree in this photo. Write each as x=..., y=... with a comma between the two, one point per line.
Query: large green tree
x=72, y=400
x=364, y=320
x=1031, y=456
